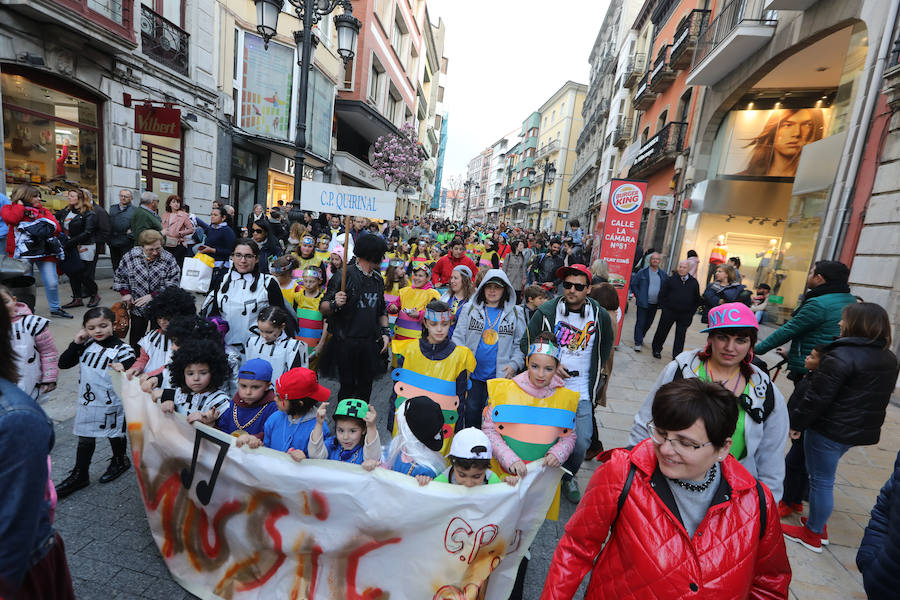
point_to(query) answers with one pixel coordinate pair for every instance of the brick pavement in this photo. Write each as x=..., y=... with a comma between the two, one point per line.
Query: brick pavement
x=112, y=554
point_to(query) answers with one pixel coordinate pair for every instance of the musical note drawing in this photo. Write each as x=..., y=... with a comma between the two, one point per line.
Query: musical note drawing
x=106, y=424
x=204, y=488
x=108, y=397
x=88, y=395
x=248, y=303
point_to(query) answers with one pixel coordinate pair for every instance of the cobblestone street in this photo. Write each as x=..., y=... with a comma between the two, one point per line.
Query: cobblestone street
x=112, y=554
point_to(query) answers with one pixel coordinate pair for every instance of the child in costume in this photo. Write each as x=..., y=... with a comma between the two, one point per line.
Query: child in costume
x=531, y=416
x=489, y=258
x=418, y=256
x=394, y=281
x=95, y=350
x=271, y=343
x=313, y=329
x=335, y=263
x=415, y=450
x=156, y=347
x=199, y=369
x=253, y=403
x=434, y=367
x=322, y=253
x=288, y=429
x=410, y=305
x=306, y=253
x=355, y=437
x=282, y=268
x=470, y=461
x=34, y=350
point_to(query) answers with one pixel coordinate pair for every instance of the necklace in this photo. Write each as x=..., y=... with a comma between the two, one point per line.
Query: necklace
x=724, y=382
x=237, y=423
x=699, y=487
x=489, y=336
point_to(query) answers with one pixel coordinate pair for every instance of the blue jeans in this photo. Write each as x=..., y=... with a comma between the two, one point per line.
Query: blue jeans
x=642, y=322
x=822, y=456
x=584, y=429
x=471, y=408
x=47, y=269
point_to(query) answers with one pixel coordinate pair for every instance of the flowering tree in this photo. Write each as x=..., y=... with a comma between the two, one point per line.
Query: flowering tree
x=398, y=158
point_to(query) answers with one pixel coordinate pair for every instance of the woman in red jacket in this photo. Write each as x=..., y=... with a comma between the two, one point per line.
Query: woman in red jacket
x=26, y=206
x=684, y=518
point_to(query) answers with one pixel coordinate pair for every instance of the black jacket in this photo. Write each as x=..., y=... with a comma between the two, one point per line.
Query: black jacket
x=677, y=296
x=548, y=266
x=849, y=392
x=82, y=229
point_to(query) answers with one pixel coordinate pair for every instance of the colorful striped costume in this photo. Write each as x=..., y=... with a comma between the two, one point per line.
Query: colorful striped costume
x=408, y=327
x=309, y=318
x=392, y=296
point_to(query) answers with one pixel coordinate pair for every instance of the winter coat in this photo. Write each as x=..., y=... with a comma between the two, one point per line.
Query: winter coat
x=514, y=267
x=678, y=296
x=764, y=441
x=510, y=327
x=544, y=319
x=640, y=286
x=176, y=225
x=142, y=219
x=443, y=269
x=715, y=294
x=547, y=267
x=650, y=554
x=120, y=225
x=104, y=227
x=814, y=322
x=13, y=214
x=81, y=229
x=878, y=558
x=849, y=392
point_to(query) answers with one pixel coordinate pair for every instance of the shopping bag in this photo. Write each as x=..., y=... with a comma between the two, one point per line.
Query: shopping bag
x=87, y=252
x=196, y=275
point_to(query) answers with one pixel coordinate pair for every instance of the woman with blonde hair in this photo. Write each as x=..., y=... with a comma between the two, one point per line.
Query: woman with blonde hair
x=80, y=223
x=724, y=288
x=599, y=271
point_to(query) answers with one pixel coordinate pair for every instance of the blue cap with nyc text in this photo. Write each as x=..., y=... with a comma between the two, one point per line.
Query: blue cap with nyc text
x=256, y=369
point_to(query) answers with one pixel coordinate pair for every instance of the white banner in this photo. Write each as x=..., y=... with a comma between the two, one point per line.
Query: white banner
x=347, y=200
x=235, y=523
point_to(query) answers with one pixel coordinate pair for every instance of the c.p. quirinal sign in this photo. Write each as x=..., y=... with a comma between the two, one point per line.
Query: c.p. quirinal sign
x=237, y=523
x=347, y=200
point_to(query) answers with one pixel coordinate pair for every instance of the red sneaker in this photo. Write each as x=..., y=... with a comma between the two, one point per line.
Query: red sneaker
x=824, y=535
x=785, y=510
x=802, y=534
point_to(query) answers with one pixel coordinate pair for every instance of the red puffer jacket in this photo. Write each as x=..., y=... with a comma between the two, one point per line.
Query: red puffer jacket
x=13, y=214
x=651, y=556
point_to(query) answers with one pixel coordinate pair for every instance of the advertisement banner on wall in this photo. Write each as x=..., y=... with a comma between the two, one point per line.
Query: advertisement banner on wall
x=267, y=81
x=620, y=233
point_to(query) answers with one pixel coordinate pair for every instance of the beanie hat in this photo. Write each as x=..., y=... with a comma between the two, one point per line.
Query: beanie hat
x=425, y=420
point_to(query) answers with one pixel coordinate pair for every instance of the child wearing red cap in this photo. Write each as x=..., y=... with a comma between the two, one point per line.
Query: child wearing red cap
x=288, y=430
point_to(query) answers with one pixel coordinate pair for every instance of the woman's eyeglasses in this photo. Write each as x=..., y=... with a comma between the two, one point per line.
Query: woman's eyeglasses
x=659, y=438
x=579, y=287
x=257, y=230
x=237, y=256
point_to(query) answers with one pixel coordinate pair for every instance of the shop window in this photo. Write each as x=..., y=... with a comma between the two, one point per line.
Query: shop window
x=52, y=139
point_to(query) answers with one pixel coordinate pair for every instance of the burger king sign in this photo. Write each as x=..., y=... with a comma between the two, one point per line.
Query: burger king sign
x=627, y=198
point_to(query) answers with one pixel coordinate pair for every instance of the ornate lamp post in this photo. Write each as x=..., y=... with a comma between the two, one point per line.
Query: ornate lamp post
x=309, y=12
x=549, y=175
x=469, y=184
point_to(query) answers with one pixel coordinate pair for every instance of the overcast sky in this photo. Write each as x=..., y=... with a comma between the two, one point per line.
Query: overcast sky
x=505, y=59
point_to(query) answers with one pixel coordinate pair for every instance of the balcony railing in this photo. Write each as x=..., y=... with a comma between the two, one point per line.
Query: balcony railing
x=735, y=13
x=621, y=135
x=643, y=95
x=548, y=148
x=686, y=35
x=662, y=75
x=659, y=150
x=633, y=69
x=164, y=41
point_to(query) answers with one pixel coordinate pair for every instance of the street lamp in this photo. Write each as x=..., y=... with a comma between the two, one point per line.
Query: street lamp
x=469, y=184
x=309, y=12
x=549, y=175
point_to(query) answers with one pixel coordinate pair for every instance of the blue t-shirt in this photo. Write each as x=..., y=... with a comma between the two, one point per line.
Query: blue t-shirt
x=282, y=435
x=412, y=469
x=336, y=452
x=245, y=415
x=486, y=355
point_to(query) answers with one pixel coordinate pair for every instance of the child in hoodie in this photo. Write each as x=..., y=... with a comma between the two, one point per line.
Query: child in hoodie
x=491, y=325
x=31, y=339
x=253, y=404
x=410, y=304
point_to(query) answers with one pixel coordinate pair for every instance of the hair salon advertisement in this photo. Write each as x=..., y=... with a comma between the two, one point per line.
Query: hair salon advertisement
x=620, y=232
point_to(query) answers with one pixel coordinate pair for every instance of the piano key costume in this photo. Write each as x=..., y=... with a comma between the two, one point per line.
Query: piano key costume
x=238, y=300
x=283, y=354
x=34, y=350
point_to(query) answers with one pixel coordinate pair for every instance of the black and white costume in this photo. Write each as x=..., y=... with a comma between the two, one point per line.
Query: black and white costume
x=158, y=349
x=99, y=412
x=238, y=300
x=189, y=402
x=283, y=354
x=28, y=360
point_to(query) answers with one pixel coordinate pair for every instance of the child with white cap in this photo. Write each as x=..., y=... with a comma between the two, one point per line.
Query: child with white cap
x=470, y=461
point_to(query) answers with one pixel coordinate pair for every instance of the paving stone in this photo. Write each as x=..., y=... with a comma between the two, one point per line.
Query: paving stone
x=132, y=582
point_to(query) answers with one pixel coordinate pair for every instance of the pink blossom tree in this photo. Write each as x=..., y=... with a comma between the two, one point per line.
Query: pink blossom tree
x=398, y=158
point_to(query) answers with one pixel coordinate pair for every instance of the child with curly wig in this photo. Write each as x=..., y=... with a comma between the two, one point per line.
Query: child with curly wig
x=198, y=370
x=155, y=347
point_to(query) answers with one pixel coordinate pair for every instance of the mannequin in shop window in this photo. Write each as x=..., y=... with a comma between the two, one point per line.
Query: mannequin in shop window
x=717, y=257
x=778, y=267
x=776, y=150
x=766, y=261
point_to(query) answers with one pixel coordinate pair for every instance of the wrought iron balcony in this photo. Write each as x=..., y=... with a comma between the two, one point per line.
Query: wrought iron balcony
x=644, y=97
x=621, y=135
x=659, y=150
x=548, y=148
x=163, y=41
x=633, y=70
x=686, y=35
x=662, y=75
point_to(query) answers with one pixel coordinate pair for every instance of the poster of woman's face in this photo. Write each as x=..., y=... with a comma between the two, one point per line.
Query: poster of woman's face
x=768, y=143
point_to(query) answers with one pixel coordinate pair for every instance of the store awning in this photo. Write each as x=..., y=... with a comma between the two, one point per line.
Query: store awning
x=284, y=148
x=365, y=120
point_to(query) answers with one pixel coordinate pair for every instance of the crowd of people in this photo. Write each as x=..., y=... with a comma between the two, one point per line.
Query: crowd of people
x=499, y=342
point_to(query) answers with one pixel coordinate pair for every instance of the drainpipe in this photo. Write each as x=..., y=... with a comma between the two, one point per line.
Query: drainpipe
x=842, y=222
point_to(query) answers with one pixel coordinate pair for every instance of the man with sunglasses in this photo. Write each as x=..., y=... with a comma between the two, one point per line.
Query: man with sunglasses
x=585, y=336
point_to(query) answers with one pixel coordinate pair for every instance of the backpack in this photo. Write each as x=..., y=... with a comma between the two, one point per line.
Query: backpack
x=535, y=269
